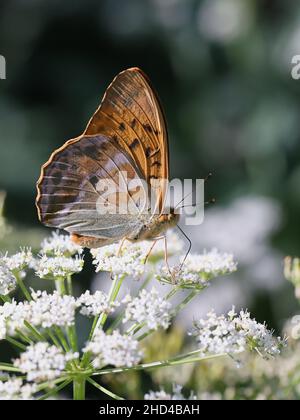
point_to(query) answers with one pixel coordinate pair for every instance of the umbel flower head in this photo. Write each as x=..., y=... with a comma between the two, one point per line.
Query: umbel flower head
x=15, y=389
x=96, y=304
x=59, y=245
x=11, y=266
x=197, y=270
x=58, y=267
x=7, y=279
x=43, y=362
x=234, y=334
x=148, y=308
x=113, y=349
x=128, y=259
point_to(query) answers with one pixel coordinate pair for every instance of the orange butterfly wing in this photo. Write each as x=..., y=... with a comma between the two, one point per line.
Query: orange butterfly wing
x=130, y=113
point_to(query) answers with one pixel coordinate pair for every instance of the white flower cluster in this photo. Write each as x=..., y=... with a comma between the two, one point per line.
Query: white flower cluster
x=235, y=334
x=7, y=279
x=48, y=310
x=14, y=389
x=20, y=260
x=58, y=267
x=93, y=305
x=113, y=349
x=148, y=308
x=198, y=270
x=130, y=259
x=43, y=362
x=163, y=395
x=10, y=265
x=45, y=310
x=58, y=245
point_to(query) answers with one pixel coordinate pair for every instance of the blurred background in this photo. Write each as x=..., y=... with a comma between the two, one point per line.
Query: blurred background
x=223, y=72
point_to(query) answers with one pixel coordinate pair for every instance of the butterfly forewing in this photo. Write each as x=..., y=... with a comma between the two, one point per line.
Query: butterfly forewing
x=130, y=113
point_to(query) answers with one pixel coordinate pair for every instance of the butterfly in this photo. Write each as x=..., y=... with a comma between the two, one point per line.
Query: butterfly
x=126, y=135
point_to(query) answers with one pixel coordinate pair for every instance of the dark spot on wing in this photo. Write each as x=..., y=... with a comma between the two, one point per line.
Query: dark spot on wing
x=148, y=152
x=133, y=123
x=57, y=177
x=156, y=163
x=93, y=180
x=122, y=126
x=134, y=144
x=91, y=150
x=148, y=128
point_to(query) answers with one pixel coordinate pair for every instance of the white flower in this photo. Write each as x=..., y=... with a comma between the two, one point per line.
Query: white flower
x=163, y=395
x=198, y=270
x=43, y=362
x=93, y=305
x=58, y=267
x=148, y=308
x=58, y=245
x=7, y=279
x=130, y=261
x=235, y=334
x=113, y=349
x=47, y=310
x=20, y=260
x=12, y=317
x=14, y=389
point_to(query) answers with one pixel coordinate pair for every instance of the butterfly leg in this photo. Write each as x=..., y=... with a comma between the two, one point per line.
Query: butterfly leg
x=152, y=246
x=167, y=261
x=121, y=246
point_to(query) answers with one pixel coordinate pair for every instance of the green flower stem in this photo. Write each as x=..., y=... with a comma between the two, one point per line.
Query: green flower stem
x=38, y=336
x=49, y=384
x=100, y=320
x=116, y=322
x=5, y=299
x=185, y=301
x=9, y=368
x=172, y=292
x=104, y=390
x=112, y=296
x=54, y=339
x=72, y=335
x=22, y=286
x=55, y=390
x=79, y=388
x=175, y=361
x=24, y=337
x=70, y=285
x=16, y=343
x=62, y=339
x=60, y=286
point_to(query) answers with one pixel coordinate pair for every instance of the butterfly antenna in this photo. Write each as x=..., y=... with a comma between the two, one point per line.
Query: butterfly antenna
x=181, y=201
x=190, y=246
x=209, y=175
x=210, y=201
